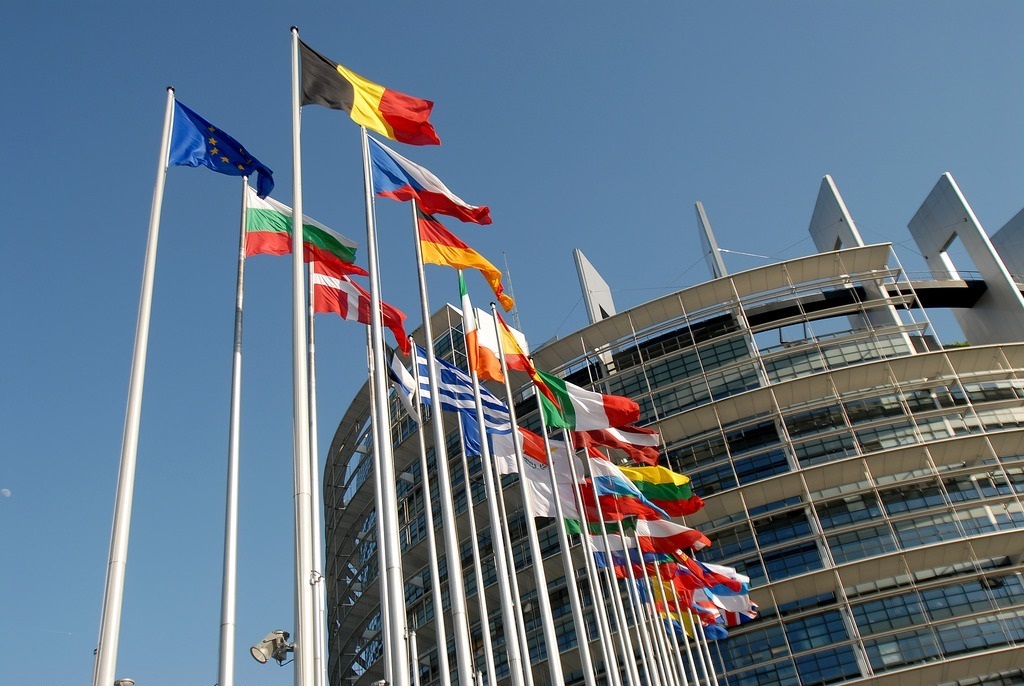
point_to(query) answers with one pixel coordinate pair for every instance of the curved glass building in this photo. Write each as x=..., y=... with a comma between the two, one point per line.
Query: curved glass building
x=868, y=479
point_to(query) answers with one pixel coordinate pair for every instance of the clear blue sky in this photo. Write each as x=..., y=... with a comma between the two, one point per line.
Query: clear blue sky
x=592, y=125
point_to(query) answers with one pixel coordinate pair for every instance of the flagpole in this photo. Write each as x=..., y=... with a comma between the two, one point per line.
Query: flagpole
x=539, y=575
x=456, y=585
x=671, y=656
x=611, y=665
x=226, y=671
x=658, y=648
x=388, y=506
x=686, y=642
x=639, y=611
x=435, y=574
x=515, y=662
x=304, y=626
x=524, y=645
x=317, y=577
x=579, y=620
x=478, y=572
x=625, y=642
x=380, y=530
x=117, y=560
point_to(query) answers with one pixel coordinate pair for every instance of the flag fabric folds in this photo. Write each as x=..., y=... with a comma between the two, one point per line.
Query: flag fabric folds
x=513, y=343
x=440, y=246
x=401, y=179
x=334, y=291
x=481, y=360
x=268, y=231
x=667, y=489
x=456, y=390
x=609, y=479
x=403, y=383
x=400, y=117
x=668, y=537
x=578, y=409
x=196, y=142
x=640, y=444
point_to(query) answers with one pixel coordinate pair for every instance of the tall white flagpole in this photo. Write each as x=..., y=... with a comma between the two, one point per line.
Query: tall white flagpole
x=226, y=671
x=395, y=630
x=650, y=617
x=685, y=641
x=540, y=577
x=639, y=613
x=575, y=605
x=456, y=585
x=478, y=572
x=524, y=644
x=620, y=620
x=611, y=665
x=317, y=578
x=515, y=661
x=113, y=594
x=304, y=626
x=381, y=528
x=435, y=573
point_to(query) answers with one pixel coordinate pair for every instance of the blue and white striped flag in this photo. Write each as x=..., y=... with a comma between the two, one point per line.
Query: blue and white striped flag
x=456, y=390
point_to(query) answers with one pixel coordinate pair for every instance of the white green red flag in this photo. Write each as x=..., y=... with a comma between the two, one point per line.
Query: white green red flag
x=577, y=409
x=268, y=231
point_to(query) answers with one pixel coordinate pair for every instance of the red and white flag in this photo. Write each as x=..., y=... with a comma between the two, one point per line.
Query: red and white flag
x=640, y=444
x=334, y=291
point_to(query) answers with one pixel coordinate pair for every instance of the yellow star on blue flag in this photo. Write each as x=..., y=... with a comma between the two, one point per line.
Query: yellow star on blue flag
x=196, y=142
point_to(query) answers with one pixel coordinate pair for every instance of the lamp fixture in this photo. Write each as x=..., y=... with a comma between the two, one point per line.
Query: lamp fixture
x=274, y=645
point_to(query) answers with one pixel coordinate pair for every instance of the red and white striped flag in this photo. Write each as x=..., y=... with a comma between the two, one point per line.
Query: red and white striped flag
x=334, y=291
x=640, y=444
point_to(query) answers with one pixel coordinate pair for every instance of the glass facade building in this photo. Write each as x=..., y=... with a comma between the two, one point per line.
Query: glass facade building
x=867, y=479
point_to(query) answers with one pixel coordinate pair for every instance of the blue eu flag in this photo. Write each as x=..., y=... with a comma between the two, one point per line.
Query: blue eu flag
x=195, y=142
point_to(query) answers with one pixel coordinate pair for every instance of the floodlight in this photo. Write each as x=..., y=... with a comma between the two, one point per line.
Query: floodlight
x=124, y=682
x=274, y=645
x=407, y=477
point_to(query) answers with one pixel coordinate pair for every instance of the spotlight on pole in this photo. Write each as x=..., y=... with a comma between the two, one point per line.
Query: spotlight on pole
x=274, y=645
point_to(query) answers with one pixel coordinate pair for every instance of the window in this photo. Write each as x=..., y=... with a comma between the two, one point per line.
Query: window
x=887, y=614
x=791, y=561
x=827, y=666
x=897, y=650
x=816, y=631
x=856, y=545
x=841, y=512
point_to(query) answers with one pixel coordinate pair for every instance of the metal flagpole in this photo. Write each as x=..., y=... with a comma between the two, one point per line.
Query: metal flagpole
x=540, y=577
x=381, y=528
x=414, y=658
x=117, y=560
x=456, y=585
x=317, y=577
x=579, y=620
x=304, y=631
x=395, y=630
x=435, y=574
x=226, y=671
x=650, y=616
x=672, y=655
x=604, y=631
x=686, y=642
x=702, y=641
x=639, y=613
x=625, y=642
x=524, y=645
x=515, y=663
x=478, y=572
